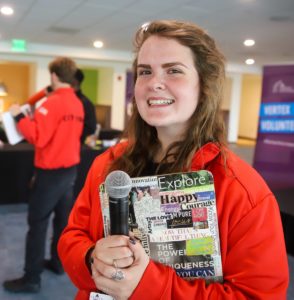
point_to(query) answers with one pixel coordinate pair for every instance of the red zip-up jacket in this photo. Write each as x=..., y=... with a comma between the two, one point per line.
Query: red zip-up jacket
x=253, y=251
x=55, y=130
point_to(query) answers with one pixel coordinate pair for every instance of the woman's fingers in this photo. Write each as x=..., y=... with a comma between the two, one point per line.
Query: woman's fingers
x=124, y=262
x=101, y=268
x=102, y=283
x=108, y=270
x=121, y=254
x=112, y=248
x=114, y=241
x=120, y=278
x=117, y=285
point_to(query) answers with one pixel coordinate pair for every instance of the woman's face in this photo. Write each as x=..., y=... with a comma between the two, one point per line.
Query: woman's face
x=167, y=86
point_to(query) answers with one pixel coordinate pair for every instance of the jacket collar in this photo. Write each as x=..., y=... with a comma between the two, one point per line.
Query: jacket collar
x=62, y=90
x=200, y=160
x=204, y=156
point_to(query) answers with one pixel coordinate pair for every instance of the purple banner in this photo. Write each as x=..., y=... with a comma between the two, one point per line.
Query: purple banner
x=274, y=152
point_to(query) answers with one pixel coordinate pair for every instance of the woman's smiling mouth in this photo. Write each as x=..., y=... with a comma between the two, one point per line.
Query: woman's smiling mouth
x=159, y=102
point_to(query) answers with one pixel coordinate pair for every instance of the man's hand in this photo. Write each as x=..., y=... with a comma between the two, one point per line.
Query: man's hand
x=15, y=109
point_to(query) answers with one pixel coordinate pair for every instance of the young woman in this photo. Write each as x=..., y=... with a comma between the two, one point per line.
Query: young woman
x=176, y=126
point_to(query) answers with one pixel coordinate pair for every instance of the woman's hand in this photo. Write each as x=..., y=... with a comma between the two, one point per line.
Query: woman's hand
x=119, y=278
x=113, y=249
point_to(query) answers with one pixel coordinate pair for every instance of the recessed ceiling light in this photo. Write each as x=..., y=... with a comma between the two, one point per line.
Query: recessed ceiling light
x=249, y=42
x=98, y=44
x=250, y=61
x=6, y=10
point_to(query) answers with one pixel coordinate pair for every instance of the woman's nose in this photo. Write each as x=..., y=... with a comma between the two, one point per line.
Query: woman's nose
x=158, y=86
x=157, y=83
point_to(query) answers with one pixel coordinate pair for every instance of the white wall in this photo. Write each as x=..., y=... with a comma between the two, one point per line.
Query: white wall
x=250, y=103
x=117, y=61
x=105, y=86
x=119, y=99
x=235, y=72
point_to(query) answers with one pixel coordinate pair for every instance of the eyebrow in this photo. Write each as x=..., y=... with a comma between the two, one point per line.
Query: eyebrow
x=166, y=65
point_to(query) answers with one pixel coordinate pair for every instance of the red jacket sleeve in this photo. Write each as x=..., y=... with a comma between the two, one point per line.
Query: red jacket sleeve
x=39, y=130
x=36, y=97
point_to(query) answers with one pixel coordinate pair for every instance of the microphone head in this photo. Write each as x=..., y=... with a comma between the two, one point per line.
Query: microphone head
x=118, y=184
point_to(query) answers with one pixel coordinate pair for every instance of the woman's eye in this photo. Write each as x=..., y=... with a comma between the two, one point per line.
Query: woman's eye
x=174, y=71
x=144, y=72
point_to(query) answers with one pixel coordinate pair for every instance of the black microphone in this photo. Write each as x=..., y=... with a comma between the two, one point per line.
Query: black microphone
x=118, y=185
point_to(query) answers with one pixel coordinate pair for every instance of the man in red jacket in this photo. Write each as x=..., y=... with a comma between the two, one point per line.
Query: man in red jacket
x=55, y=131
x=89, y=108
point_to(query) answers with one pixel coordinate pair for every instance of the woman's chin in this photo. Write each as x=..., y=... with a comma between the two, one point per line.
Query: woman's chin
x=156, y=123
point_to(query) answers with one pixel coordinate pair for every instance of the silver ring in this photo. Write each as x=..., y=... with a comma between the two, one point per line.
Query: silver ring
x=118, y=275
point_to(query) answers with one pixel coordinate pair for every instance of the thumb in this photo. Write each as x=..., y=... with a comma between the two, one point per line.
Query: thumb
x=138, y=250
x=141, y=259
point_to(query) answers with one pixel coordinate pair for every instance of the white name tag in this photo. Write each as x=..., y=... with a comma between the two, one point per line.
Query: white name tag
x=98, y=296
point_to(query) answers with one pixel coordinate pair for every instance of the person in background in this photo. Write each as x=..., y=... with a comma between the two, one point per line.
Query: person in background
x=89, y=109
x=176, y=126
x=55, y=131
x=3, y=136
x=90, y=121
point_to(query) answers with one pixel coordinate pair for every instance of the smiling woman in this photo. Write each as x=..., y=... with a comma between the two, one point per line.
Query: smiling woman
x=167, y=86
x=179, y=80
x=176, y=126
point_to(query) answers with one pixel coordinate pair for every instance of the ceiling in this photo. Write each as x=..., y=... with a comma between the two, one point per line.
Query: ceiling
x=77, y=23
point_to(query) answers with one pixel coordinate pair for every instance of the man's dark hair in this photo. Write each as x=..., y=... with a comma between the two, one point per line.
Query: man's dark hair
x=79, y=76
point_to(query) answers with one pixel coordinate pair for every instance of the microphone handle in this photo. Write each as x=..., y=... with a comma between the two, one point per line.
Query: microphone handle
x=119, y=216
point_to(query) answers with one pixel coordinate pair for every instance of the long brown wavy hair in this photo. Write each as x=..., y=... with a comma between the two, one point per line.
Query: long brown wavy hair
x=205, y=125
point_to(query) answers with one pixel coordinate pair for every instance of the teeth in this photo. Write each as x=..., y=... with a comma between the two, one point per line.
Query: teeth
x=160, y=102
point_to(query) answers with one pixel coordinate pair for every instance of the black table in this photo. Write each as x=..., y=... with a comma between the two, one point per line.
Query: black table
x=16, y=171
